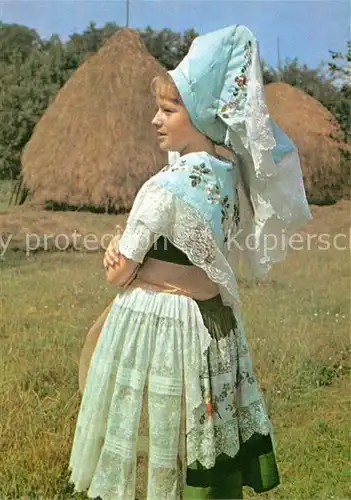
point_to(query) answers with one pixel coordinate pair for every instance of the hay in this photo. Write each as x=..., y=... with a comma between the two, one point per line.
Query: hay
x=95, y=145
x=316, y=134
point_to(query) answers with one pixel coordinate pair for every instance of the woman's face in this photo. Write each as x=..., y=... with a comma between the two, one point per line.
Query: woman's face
x=174, y=127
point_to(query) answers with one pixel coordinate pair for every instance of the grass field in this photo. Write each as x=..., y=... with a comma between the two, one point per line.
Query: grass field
x=5, y=193
x=298, y=327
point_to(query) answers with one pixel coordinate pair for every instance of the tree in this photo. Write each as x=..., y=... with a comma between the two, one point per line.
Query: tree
x=26, y=91
x=269, y=74
x=340, y=69
x=185, y=41
x=17, y=42
x=343, y=71
x=162, y=45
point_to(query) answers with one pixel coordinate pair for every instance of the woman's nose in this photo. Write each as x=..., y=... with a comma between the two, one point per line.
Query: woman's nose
x=156, y=119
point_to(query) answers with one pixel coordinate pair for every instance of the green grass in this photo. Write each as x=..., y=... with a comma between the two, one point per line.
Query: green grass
x=5, y=193
x=297, y=327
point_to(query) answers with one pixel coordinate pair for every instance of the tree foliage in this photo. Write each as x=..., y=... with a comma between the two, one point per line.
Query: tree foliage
x=17, y=42
x=32, y=70
x=340, y=68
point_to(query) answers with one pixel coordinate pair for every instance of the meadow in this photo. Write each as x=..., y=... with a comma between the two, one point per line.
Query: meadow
x=298, y=328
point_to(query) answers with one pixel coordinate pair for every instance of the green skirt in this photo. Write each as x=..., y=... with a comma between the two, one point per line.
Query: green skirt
x=255, y=465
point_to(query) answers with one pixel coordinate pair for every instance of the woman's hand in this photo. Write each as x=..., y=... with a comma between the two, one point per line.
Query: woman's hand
x=120, y=270
x=112, y=255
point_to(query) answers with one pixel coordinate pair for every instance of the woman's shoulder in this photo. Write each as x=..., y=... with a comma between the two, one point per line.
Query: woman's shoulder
x=199, y=163
x=192, y=160
x=198, y=170
x=186, y=171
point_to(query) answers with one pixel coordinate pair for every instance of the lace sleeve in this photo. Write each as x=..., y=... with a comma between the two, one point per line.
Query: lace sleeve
x=147, y=221
x=136, y=241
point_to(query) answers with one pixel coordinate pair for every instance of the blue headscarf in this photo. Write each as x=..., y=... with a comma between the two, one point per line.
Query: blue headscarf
x=220, y=82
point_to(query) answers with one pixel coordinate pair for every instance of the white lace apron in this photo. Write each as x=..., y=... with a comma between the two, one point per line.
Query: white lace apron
x=159, y=340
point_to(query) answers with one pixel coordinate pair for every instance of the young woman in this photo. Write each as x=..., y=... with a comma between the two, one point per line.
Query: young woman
x=172, y=355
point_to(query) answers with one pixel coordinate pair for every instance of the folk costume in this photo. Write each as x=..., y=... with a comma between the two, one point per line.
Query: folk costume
x=183, y=364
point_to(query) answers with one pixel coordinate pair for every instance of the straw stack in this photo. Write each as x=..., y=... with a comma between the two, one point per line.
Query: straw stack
x=95, y=145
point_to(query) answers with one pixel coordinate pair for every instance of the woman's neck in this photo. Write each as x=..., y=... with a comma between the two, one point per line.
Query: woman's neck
x=205, y=146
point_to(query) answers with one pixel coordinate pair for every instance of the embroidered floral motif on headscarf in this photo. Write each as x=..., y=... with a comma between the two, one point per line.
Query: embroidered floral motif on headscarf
x=239, y=96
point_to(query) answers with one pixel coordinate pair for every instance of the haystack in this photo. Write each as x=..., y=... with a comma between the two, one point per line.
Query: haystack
x=95, y=145
x=316, y=134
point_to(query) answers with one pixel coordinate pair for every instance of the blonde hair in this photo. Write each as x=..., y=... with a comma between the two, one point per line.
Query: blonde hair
x=163, y=87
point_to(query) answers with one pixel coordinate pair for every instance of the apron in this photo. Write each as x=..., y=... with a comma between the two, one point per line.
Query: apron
x=254, y=465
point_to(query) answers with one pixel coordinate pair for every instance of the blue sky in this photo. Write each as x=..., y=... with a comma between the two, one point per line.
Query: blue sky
x=305, y=29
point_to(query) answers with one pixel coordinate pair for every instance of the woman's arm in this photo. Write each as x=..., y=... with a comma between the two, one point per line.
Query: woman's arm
x=146, y=222
x=120, y=270
x=121, y=273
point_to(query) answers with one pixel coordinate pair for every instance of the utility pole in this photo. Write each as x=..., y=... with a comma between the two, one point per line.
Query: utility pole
x=127, y=13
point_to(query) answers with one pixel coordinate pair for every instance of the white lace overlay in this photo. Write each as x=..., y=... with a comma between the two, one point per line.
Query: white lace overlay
x=148, y=338
x=160, y=340
x=258, y=136
x=275, y=189
x=247, y=117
